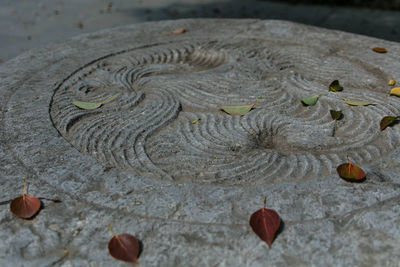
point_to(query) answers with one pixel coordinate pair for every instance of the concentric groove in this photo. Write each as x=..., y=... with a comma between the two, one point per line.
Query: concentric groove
x=148, y=128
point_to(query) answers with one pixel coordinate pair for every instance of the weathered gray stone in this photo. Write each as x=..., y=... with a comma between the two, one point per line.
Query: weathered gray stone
x=187, y=190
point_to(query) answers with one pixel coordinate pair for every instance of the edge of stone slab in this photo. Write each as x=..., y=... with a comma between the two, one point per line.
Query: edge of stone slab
x=39, y=53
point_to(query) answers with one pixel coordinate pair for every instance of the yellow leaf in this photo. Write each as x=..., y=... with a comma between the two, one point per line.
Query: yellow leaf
x=392, y=82
x=395, y=91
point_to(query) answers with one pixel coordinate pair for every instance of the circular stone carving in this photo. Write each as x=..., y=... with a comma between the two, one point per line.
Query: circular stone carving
x=187, y=190
x=148, y=129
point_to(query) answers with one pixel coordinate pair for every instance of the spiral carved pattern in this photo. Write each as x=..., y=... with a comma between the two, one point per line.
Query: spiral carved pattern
x=161, y=89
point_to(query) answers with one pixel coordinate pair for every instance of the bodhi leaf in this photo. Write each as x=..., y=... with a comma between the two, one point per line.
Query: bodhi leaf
x=387, y=121
x=239, y=110
x=352, y=102
x=92, y=105
x=395, y=91
x=124, y=247
x=350, y=172
x=265, y=223
x=335, y=86
x=336, y=114
x=309, y=101
x=26, y=205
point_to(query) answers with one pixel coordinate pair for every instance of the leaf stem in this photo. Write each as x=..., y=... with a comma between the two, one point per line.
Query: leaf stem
x=265, y=201
x=317, y=95
x=255, y=102
x=24, y=191
x=344, y=99
x=107, y=99
x=111, y=230
x=349, y=163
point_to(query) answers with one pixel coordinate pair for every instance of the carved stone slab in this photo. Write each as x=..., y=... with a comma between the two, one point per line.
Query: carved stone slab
x=161, y=160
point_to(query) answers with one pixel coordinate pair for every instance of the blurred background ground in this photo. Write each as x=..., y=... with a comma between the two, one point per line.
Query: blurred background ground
x=26, y=24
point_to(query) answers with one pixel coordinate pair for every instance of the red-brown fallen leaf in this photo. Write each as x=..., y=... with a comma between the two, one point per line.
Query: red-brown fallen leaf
x=265, y=223
x=350, y=172
x=379, y=49
x=124, y=247
x=179, y=31
x=25, y=206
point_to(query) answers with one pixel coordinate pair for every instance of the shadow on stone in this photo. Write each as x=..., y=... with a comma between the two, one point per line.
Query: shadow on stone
x=280, y=229
x=318, y=13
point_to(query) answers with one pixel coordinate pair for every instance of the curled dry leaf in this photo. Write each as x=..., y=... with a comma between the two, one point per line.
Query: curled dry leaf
x=25, y=206
x=124, y=247
x=265, y=223
x=336, y=114
x=239, y=110
x=179, y=31
x=92, y=105
x=350, y=172
x=395, y=91
x=379, y=50
x=391, y=82
x=387, y=121
x=335, y=86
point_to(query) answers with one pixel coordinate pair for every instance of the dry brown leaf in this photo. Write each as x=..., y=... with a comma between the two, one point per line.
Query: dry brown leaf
x=379, y=50
x=179, y=31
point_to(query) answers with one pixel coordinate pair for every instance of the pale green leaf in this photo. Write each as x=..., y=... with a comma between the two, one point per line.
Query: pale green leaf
x=309, y=101
x=357, y=102
x=87, y=105
x=92, y=105
x=239, y=110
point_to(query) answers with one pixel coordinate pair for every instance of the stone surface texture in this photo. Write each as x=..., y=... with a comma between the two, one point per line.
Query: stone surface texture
x=36, y=23
x=185, y=189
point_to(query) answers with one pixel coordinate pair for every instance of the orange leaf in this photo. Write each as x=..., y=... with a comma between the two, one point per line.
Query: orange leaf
x=124, y=247
x=265, y=223
x=379, y=49
x=25, y=206
x=179, y=31
x=350, y=172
